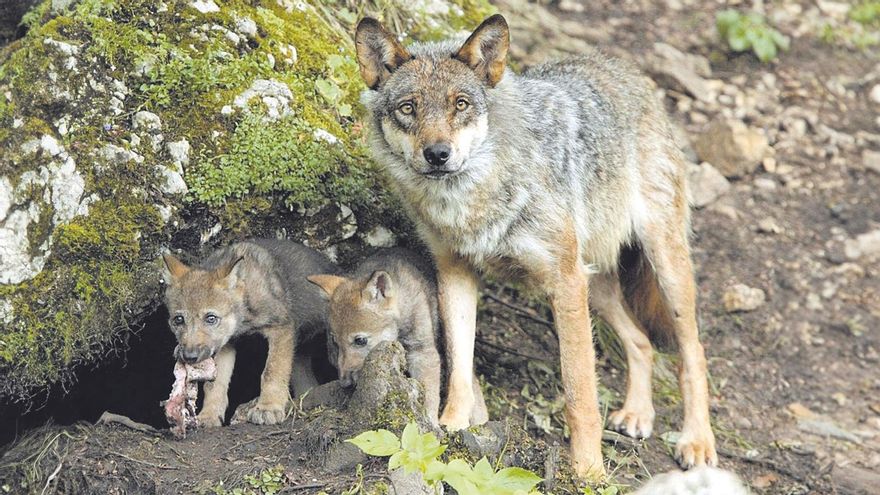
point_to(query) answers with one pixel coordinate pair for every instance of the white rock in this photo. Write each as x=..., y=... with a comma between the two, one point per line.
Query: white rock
x=5, y=197
x=346, y=221
x=874, y=95
x=164, y=212
x=867, y=245
x=698, y=481
x=174, y=183
x=227, y=110
x=275, y=95
x=62, y=47
x=768, y=225
x=146, y=120
x=246, y=26
x=6, y=312
x=380, y=236
x=115, y=154
x=179, y=151
x=289, y=52
x=322, y=135
x=50, y=145
x=205, y=6
x=765, y=183
x=16, y=262
x=67, y=188
x=706, y=184
x=741, y=297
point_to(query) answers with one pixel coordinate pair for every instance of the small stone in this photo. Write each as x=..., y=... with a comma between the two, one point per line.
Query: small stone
x=179, y=151
x=146, y=120
x=246, y=26
x=769, y=164
x=380, y=236
x=6, y=197
x=174, y=183
x=732, y=147
x=814, y=302
x=871, y=160
x=570, y=6
x=322, y=135
x=768, y=225
x=765, y=183
x=741, y=297
x=840, y=398
x=800, y=411
x=707, y=184
x=205, y=6
x=867, y=245
x=275, y=96
x=874, y=95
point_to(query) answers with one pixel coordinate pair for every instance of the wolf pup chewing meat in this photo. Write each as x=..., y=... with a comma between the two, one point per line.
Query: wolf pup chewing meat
x=566, y=175
x=391, y=295
x=256, y=286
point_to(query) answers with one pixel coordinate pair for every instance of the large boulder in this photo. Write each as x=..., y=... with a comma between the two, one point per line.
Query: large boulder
x=134, y=126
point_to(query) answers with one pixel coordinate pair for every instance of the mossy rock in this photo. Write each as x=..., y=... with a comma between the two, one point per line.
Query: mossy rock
x=131, y=126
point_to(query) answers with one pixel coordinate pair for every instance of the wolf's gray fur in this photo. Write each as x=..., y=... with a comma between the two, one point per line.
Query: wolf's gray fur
x=256, y=286
x=551, y=175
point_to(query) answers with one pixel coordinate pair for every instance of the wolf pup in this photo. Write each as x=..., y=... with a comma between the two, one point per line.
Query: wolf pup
x=256, y=286
x=566, y=175
x=392, y=295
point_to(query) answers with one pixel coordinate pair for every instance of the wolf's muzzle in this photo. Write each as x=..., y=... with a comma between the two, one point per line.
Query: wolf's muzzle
x=437, y=154
x=192, y=355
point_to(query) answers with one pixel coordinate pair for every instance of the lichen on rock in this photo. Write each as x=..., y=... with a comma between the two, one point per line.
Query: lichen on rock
x=131, y=125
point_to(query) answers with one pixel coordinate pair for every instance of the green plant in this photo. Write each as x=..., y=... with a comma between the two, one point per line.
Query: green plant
x=867, y=13
x=267, y=482
x=415, y=451
x=744, y=31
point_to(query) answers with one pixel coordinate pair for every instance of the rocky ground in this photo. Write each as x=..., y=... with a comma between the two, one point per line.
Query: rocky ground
x=786, y=180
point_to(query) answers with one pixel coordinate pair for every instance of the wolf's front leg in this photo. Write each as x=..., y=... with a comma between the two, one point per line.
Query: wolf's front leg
x=568, y=298
x=271, y=406
x=457, y=292
x=216, y=398
x=424, y=366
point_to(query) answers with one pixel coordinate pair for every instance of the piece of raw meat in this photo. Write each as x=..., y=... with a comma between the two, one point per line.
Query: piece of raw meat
x=180, y=408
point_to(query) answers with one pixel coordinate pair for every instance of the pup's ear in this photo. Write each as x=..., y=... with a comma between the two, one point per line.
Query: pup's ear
x=229, y=273
x=485, y=51
x=329, y=283
x=378, y=52
x=379, y=287
x=174, y=268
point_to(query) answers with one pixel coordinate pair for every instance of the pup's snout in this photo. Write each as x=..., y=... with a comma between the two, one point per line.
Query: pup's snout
x=437, y=154
x=347, y=379
x=192, y=355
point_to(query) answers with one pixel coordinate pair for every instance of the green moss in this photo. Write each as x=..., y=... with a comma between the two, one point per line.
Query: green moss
x=395, y=412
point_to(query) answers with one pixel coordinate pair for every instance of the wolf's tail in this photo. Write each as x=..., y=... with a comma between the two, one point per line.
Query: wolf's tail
x=641, y=290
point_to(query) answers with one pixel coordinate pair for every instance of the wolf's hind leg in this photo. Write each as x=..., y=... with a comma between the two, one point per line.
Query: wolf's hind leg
x=216, y=398
x=636, y=417
x=479, y=413
x=271, y=406
x=668, y=251
x=303, y=378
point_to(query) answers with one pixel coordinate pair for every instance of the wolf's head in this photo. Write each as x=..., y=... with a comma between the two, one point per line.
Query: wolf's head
x=430, y=102
x=363, y=313
x=202, y=306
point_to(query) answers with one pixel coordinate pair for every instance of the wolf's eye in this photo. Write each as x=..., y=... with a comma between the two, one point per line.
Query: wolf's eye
x=211, y=319
x=461, y=104
x=360, y=341
x=178, y=320
x=406, y=108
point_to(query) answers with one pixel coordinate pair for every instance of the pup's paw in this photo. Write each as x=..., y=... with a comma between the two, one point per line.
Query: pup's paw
x=209, y=419
x=632, y=423
x=696, y=449
x=593, y=472
x=267, y=414
x=454, y=421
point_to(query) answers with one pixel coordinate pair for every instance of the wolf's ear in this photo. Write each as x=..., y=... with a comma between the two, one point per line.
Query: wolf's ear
x=378, y=52
x=174, y=268
x=379, y=287
x=485, y=51
x=229, y=272
x=328, y=283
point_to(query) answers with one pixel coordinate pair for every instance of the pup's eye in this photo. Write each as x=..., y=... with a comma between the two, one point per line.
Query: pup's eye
x=406, y=108
x=178, y=320
x=211, y=319
x=360, y=341
x=462, y=104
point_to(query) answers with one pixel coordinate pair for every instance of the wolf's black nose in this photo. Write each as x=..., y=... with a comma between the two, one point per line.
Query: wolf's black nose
x=190, y=355
x=438, y=154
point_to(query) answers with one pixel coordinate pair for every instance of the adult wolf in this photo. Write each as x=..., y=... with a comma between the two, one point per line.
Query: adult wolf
x=566, y=175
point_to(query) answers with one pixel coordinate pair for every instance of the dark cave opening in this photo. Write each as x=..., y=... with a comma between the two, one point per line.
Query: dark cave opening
x=130, y=382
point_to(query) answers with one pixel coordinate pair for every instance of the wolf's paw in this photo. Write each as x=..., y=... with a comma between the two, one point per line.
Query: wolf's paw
x=632, y=423
x=267, y=414
x=594, y=472
x=696, y=450
x=454, y=421
x=209, y=419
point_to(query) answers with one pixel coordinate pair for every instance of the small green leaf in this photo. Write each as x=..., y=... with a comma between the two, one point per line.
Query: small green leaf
x=410, y=437
x=335, y=61
x=379, y=443
x=514, y=480
x=344, y=110
x=764, y=48
x=435, y=471
x=329, y=90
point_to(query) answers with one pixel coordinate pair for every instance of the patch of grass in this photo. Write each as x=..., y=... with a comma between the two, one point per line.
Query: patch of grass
x=867, y=13
x=750, y=31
